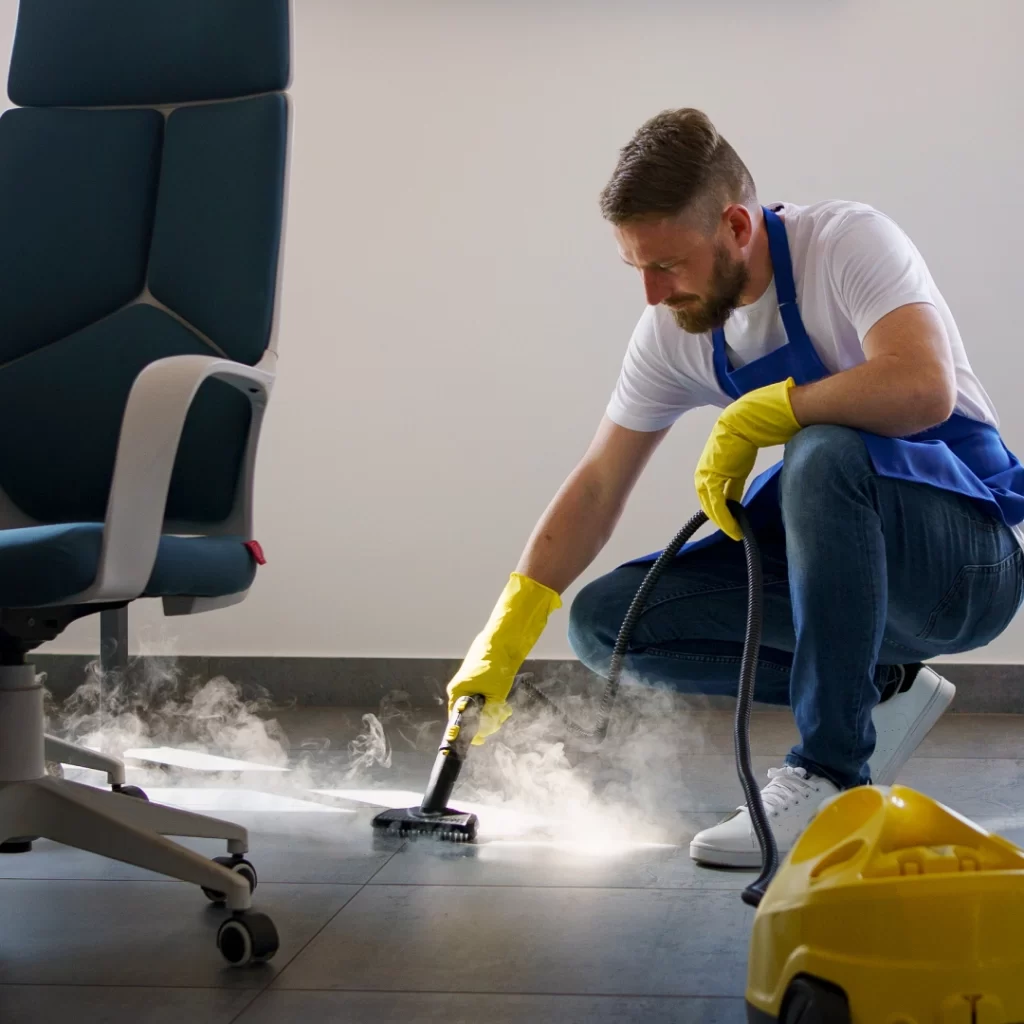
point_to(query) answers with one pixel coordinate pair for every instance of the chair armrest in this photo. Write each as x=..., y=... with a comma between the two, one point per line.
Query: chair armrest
x=154, y=417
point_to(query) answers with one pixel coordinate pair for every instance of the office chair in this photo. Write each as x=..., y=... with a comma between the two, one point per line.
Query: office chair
x=142, y=195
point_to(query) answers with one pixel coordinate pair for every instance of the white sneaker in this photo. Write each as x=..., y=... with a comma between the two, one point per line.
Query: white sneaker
x=903, y=721
x=791, y=799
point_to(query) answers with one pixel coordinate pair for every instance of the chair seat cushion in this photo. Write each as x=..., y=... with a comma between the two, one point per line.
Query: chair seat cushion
x=41, y=565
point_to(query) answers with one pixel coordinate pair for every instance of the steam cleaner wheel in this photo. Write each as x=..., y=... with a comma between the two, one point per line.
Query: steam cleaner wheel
x=809, y=1001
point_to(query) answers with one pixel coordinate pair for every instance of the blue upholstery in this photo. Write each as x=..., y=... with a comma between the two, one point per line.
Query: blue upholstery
x=77, y=193
x=42, y=565
x=218, y=220
x=201, y=567
x=96, y=53
x=97, y=206
x=60, y=417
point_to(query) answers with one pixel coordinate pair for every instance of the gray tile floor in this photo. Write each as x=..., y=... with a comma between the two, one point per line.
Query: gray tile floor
x=603, y=920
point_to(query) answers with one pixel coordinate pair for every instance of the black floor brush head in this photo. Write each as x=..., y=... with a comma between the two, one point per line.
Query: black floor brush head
x=452, y=826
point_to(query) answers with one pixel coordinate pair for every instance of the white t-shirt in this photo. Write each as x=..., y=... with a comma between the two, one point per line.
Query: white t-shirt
x=852, y=265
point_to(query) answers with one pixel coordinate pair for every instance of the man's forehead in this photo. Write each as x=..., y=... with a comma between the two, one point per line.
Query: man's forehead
x=656, y=242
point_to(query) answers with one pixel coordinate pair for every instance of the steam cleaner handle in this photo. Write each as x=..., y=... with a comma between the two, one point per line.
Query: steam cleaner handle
x=458, y=735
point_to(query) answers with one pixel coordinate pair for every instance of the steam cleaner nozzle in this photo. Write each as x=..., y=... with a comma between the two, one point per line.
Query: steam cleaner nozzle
x=434, y=817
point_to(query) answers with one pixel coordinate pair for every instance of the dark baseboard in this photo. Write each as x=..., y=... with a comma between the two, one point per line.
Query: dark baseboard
x=364, y=682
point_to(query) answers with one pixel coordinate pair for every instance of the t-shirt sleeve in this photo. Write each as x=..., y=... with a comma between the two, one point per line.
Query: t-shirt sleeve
x=875, y=269
x=653, y=390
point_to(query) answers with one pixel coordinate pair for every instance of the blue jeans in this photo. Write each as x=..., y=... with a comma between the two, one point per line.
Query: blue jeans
x=862, y=573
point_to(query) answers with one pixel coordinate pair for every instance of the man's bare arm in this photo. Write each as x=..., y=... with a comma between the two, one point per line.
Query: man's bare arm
x=905, y=386
x=582, y=515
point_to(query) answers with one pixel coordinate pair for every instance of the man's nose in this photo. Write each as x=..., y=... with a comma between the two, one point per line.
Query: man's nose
x=657, y=286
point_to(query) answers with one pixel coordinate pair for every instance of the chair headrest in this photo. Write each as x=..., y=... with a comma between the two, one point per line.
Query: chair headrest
x=99, y=53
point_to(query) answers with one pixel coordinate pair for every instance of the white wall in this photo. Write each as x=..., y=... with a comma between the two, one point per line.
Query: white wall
x=455, y=311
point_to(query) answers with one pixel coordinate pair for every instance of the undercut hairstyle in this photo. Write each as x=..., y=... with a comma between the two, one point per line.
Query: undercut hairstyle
x=677, y=163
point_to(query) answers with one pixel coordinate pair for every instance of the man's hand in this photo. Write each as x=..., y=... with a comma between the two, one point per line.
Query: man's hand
x=500, y=649
x=758, y=419
x=907, y=384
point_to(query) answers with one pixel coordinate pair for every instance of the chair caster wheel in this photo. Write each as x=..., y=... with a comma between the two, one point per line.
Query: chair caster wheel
x=240, y=866
x=132, y=791
x=247, y=938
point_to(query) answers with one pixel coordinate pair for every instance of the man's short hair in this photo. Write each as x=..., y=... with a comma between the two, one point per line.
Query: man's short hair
x=677, y=163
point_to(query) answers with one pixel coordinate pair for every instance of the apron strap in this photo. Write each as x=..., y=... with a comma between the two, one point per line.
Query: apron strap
x=722, y=369
x=785, y=291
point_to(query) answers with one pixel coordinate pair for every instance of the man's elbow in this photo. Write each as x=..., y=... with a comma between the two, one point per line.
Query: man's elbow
x=935, y=398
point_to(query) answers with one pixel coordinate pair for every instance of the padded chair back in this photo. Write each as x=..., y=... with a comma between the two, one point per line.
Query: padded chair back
x=142, y=184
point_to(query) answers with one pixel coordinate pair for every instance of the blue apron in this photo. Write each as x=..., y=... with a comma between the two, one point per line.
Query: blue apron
x=960, y=455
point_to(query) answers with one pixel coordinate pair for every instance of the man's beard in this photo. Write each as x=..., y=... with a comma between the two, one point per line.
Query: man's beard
x=728, y=280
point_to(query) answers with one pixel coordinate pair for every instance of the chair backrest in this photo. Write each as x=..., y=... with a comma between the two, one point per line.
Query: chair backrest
x=142, y=183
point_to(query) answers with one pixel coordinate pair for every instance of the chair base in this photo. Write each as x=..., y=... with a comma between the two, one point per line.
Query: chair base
x=34, y=805
x=126, y=829
x=62, y=752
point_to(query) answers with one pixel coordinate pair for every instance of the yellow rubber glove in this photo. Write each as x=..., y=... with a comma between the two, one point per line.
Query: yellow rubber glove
x=500, y=649
x=758, y=419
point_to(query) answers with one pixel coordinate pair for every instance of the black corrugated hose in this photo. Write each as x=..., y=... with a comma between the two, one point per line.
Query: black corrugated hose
x=745, y=694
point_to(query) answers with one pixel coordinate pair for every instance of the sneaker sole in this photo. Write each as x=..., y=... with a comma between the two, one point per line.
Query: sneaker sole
x=712, y=857
x=942, y=696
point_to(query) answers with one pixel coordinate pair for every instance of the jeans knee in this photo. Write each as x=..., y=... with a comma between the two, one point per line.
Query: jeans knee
x=814, y=458
x=594, y=619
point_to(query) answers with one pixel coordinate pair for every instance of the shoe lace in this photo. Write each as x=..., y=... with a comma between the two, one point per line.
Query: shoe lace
x=787, y=785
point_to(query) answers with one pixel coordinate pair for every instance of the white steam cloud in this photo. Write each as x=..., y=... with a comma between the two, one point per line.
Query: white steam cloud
x=634, y=786
x=531, y=780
